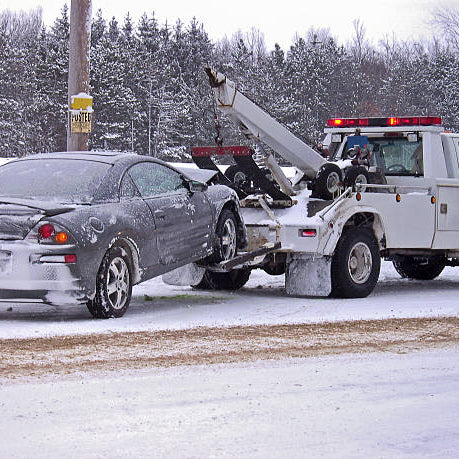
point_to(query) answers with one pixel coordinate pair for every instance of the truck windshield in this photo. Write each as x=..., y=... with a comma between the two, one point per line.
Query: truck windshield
x=397, y=156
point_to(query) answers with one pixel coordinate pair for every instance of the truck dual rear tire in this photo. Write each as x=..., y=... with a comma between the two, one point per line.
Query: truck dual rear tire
x=355, y=264
x=420, y=268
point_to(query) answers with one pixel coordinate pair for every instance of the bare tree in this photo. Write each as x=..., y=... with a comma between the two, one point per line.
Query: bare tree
x=447, y=21
x=255, y=42
x=21, y=25
x=359, y=46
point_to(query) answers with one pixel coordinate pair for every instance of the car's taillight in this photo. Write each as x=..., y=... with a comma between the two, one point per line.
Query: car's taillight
x=61, y=237
x=67, y=259
x=48, y=233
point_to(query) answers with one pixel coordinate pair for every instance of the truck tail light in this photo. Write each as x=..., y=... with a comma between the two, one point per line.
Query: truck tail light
x=307, y=232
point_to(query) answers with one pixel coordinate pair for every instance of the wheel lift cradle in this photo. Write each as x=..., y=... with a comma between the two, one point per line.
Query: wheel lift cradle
x=305, y=275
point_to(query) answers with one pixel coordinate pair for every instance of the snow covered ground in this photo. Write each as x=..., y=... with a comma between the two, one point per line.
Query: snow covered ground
x=157, y=306
x=377, y=405
x=383, y=404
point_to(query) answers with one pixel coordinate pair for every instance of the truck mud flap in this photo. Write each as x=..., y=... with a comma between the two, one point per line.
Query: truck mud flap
x=308, y=276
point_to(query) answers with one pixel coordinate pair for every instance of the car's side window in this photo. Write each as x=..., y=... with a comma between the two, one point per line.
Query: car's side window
x=128, y=189
x=153, y=179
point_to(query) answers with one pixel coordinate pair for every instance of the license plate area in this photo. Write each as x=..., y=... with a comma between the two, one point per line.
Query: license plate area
x=5, y=262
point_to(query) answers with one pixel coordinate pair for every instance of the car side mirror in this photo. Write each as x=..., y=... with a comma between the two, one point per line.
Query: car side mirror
x=195, y=186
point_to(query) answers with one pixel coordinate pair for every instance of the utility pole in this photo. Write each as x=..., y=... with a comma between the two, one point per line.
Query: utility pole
x=80, y=103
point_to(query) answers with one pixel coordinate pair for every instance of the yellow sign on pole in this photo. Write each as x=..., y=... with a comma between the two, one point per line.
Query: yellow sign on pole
x=80, y=121
x=81, y=113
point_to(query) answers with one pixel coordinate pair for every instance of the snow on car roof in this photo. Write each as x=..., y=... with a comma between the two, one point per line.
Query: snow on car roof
x=101, y=156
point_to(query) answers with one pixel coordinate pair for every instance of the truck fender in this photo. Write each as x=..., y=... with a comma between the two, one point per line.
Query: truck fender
x=336, y=227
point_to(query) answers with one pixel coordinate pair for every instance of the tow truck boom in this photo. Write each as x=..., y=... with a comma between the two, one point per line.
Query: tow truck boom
x=256, y=124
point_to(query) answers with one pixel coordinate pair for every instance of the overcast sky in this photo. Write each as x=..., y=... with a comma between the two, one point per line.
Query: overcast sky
x=279, y=20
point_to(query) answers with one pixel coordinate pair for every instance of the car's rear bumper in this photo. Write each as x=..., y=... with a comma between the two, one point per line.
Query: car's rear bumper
x=33, y=273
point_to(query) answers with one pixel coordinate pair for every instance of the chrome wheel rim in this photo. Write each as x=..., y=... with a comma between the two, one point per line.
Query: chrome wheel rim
x=333, y=182
x=228, y=240
x=118, y=283
x=359, y=263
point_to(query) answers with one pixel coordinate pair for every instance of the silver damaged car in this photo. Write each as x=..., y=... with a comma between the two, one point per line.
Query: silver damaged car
x=85, y=227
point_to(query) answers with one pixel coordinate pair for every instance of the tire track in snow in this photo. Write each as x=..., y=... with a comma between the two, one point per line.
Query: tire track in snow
x=24, y=359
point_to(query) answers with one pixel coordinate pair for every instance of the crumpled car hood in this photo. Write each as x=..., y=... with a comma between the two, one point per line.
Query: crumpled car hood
x=200, y=175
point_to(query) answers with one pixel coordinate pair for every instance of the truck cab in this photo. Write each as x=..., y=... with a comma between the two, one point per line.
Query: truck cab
x=405, y=150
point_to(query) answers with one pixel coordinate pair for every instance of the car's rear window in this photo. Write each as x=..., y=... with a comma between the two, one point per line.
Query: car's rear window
x=63, y=180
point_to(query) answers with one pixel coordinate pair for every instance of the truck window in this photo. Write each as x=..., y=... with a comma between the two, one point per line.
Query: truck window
x=397, y=156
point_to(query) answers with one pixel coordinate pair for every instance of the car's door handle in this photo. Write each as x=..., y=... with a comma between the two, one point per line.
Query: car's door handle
x=160, y=214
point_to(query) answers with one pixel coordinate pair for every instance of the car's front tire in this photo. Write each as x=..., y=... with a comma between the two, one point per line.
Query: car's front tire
x=225, y=248
x=113, y=285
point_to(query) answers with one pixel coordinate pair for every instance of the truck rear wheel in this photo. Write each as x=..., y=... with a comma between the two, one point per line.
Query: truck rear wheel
x=355, y=264
x=420, y=268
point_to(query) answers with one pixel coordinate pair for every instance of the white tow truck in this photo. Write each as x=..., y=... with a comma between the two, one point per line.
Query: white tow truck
x=388, y=189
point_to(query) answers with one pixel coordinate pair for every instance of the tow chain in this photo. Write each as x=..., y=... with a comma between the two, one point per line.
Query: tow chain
x=218, y=138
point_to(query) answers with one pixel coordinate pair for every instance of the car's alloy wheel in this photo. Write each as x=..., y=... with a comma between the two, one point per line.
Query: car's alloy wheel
x=228, y=239
x=118, y=281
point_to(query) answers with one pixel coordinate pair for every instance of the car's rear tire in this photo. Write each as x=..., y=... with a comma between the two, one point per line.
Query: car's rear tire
x=355, y=264
x=420, y=268
x=113, y=285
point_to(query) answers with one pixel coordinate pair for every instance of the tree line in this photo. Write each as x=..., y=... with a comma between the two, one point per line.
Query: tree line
x=152, y=96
